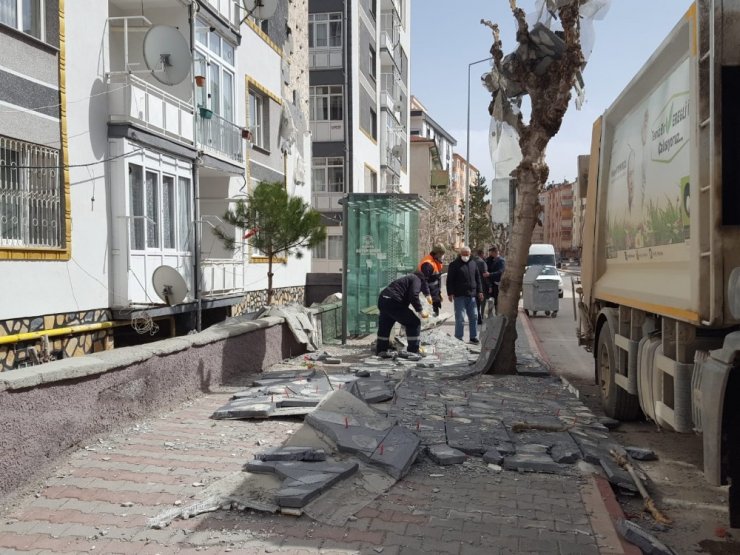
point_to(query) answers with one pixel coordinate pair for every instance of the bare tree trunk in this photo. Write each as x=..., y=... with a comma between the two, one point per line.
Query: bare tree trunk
x=269, y=280
x=549, y=93
x=530, y=174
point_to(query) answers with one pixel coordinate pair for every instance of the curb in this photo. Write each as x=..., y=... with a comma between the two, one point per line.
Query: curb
x=597, y=495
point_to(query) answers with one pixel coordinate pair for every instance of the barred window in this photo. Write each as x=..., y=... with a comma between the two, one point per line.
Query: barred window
x=30, y=195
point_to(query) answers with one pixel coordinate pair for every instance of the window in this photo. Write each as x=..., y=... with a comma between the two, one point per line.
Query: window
x=168, y=212
x=151, y=227
x=214, y=60
x=183, y=214
x=30, y=195
x=373, y=124
x=324, y=30
x=335, y=247
x=24, y=15
x=371, y=180
x=328, y=175
x=373, y=73
x=259, y=119
x=136, y=208
x=152, y=210
x=326, y=103
x=319, y=251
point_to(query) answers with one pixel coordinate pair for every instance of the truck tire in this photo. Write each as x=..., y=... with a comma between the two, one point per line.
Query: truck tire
x=616, y=401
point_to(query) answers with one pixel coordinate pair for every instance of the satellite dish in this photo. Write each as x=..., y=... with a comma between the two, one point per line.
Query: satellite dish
x=169, y=285
x=260, y=9
x=167, y=54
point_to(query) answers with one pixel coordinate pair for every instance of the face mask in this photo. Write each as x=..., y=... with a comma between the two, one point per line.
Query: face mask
x=465, y=258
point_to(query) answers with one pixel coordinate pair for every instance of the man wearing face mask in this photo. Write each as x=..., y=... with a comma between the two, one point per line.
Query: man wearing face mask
x=431, y=267
x=464, y=288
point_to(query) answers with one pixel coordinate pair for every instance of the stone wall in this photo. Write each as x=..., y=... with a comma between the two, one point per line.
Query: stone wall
x=19, y=355
x=254, y=301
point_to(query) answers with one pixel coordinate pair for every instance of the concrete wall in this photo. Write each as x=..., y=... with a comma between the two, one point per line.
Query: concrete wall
x=49, y=409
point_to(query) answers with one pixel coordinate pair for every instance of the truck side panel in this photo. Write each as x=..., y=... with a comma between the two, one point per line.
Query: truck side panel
x=644, y=187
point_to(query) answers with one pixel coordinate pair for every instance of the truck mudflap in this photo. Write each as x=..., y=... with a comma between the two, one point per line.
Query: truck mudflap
x=719, y=395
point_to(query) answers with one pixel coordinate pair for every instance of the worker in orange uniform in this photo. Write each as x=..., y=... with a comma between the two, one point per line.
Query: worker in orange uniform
x=431, y=267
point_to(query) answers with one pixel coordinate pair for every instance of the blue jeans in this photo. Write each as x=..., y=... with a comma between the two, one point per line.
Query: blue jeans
x=466, y=305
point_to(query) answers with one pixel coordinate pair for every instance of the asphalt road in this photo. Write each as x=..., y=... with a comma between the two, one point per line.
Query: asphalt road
x=558, y=339
x=676, y=479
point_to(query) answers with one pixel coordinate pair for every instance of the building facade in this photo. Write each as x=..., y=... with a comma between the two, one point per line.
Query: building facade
x=121, y=155
x=558, y=217
x=579, y=204
x=359, y=107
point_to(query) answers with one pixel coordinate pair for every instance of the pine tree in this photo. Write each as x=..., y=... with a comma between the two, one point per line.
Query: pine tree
x=480, y=235
x=275, y=223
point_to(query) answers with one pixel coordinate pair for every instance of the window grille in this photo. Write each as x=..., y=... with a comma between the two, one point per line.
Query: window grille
x=30, y=195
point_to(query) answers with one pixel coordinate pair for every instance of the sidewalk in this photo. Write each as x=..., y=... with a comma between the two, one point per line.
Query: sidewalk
x=99, y=499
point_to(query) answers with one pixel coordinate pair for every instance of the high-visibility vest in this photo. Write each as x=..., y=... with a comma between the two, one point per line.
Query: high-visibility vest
x=436, y=264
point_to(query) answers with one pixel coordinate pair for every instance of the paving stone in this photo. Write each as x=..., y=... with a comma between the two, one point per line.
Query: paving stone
x=493, y=456
x=290, y=453
x=565, y=453
x=647, y=543
x=445, y=455
x=532, y=458
x=618, y=477
x=641, y=454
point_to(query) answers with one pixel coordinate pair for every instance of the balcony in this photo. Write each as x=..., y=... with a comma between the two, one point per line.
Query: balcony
x=220, y=138
x=327, y=131
x=325, y=58
x=389, y=159
x=326, y=201
x=389, y=92
x=133, y=100
x=222, y=276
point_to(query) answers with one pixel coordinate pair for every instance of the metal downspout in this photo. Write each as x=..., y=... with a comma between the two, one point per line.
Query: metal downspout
x=347, y=166
x=193, y=8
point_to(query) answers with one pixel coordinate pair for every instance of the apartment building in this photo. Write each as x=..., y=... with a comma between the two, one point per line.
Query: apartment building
x=462, y=171
x=579, y=203
x=118, y=156
x=359, y=107
x=557, y=201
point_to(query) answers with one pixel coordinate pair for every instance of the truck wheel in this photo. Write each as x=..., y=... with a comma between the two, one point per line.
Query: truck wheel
x=526, y=312
x=616, y=401
x=555, y=314
x=534, y=313
x=547, y=313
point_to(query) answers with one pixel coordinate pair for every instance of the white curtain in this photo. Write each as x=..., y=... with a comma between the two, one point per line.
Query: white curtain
x=9, y=13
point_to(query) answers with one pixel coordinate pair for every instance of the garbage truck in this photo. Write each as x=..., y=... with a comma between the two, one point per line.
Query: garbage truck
x=659, y=300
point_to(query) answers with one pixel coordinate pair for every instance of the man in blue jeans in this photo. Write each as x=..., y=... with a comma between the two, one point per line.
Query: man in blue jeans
x=464, y=288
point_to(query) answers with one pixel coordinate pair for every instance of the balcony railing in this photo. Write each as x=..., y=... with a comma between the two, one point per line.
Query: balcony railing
x=390, y=160
x=133, y=100
x=221, y=276
x=220, y=137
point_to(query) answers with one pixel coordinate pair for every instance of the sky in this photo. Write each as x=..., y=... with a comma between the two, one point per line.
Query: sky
x=447, y=36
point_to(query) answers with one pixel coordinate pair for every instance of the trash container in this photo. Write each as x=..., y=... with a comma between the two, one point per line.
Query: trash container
x=540, y=292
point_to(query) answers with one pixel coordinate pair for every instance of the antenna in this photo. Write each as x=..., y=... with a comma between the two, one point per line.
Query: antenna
x=260, y=9
x=167, y=54
x=169, y=285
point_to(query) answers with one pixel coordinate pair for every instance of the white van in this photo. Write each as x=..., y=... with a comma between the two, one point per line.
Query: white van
x=542, y=254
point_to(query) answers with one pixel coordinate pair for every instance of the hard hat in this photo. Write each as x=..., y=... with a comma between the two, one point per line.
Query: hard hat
x=438, y=249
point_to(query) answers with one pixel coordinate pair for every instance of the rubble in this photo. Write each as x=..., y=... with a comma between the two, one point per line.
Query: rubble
x=646, y=542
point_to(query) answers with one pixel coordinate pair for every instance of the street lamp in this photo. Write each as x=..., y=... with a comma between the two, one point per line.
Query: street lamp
x=467, y=158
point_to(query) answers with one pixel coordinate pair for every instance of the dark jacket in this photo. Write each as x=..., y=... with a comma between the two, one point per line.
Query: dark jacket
x=496, y=267
x=405, y=290
x=482, y=268
x=432, y=270
x=463, y=278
